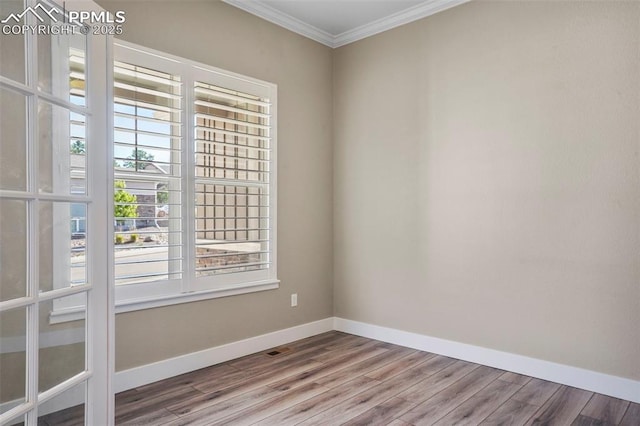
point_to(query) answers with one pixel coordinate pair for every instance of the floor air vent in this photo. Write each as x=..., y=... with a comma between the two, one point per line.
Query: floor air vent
x=278, y=351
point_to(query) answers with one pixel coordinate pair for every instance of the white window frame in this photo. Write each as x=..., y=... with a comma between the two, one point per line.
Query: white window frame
x=131, y=297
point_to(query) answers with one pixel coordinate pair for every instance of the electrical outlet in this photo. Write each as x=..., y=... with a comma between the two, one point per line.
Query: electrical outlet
x=294, y=299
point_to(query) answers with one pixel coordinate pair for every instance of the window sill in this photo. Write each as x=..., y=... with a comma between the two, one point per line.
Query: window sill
x=77, y=313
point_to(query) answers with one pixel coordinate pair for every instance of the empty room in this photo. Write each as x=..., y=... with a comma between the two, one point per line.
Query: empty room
x=320, y=212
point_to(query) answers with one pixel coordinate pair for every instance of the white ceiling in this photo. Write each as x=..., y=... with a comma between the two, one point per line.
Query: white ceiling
x=339, y=22
x=337, y=17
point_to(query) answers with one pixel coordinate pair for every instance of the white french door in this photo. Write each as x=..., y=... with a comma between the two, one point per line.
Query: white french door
x=54, y=216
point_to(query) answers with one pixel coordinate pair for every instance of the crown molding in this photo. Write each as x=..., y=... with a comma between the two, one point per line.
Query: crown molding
x=422, y=10
x=270, y=14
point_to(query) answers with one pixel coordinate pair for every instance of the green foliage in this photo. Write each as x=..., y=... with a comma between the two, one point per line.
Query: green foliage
x=139, y=159
x=119, y=239
x=162, y=196
x=133, y=238
x=124, y=206
x=77, y=147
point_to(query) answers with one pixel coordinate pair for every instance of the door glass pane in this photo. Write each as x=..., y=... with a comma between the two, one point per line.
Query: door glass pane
x=13, y=134
x=61, y=61
x=13, y=328
x=12, y=45
x=67, y=409
x=61, y=148
x=18, y=421
x=62, y=244
x=13, y=249
x=62, y=346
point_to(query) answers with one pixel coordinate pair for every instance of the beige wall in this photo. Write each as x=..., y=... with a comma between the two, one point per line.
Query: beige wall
x=487, y=185
x=214, y=33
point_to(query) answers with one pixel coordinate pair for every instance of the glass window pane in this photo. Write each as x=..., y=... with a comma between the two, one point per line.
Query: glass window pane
x=13, y=134
x=230, y=234
x=13, y=249
x=62, y=346
x=62, y=244
x=68, y=408
x=12, y=45
x=61, y=63
x=61, y=147
x=13, y=328
x=148, y=230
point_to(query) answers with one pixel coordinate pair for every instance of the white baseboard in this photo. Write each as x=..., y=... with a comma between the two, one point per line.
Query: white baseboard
x=614, y=386
x=149, y=373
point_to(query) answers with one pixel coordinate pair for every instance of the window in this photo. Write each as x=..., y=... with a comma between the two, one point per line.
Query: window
x=194, y=180
x=193, y=177
x=147, y=156
x=232, y=170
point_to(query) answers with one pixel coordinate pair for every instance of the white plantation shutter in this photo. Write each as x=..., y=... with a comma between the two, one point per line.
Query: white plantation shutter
x=232, y=171
x=147, y=154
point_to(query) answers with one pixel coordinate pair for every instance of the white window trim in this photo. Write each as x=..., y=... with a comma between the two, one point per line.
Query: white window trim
x=190, y=289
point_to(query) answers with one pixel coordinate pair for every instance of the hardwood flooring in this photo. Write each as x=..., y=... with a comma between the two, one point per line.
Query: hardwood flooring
x=340, y=379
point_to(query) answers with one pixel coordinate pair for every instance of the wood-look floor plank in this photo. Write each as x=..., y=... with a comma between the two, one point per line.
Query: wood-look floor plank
x=215, y=381
x=403, y=364
x=268, y=408
x=354, y=406
x=511, y=413
x=351, y=341
x=477, y=408
x=263, y=362
x=439, y=380
x=187, y=379
x=398, y=422
x=152, y=418
x=516, y=378
x=320, y=403
x=562, y=408
x=271, y=375
x=317, y=342
x=361, y=368
x=589, y=421
x=130, y=410
x=439, y=405
x=632, y=416
x=536, y=392
x=605, y=408
x=330, y=356
x=314, y=373
x=227, y=407
x=382, y=413
x=351, y=344
x=213, y=394
x=73, y=416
